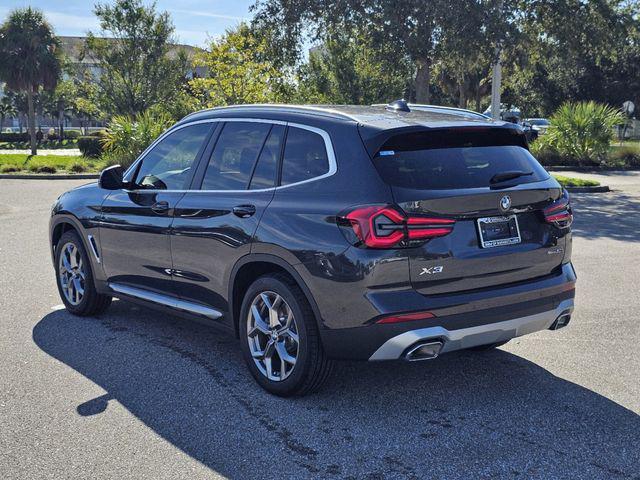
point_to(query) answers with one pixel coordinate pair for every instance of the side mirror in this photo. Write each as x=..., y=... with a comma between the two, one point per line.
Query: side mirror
x=111, y=178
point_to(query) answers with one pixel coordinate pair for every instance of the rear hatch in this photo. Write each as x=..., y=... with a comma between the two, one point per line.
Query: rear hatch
x=486, y=181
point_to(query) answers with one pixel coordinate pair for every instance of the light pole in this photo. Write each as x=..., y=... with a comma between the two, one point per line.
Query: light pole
x=496, y=79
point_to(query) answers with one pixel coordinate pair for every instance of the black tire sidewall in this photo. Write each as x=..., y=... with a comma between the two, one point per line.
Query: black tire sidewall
x=89, y=288
x=292, y=384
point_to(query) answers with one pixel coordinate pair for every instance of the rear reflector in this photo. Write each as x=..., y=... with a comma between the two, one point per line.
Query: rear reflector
x=407, y=317
x=385, y=226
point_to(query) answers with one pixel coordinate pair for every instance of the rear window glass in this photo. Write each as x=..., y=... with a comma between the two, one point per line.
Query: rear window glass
x=437, y=161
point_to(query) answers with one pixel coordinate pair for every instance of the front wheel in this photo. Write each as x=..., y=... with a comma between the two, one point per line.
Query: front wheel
x=280, y=339
x=75, y=278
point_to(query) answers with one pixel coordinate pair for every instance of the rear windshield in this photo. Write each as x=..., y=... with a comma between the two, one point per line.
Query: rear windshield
x=439, y=160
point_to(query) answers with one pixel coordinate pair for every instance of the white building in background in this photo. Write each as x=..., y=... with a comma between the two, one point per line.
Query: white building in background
x=72, y=48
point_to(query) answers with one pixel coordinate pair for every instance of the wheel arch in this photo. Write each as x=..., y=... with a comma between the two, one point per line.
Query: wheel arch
x=63, y=223
x=253, y=266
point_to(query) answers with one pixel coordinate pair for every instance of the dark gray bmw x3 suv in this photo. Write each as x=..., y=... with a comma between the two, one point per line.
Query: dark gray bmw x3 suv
x=322, y=233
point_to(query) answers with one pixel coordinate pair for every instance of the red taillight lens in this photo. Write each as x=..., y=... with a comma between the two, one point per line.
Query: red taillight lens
x=385, y=226
x=407, y=317
x=559, y=212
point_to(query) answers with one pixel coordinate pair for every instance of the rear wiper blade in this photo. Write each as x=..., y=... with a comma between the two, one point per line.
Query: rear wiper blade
x=504, y=176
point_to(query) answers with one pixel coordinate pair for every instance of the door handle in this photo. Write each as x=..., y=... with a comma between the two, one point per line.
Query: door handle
x=160, y=207
x=244, y=211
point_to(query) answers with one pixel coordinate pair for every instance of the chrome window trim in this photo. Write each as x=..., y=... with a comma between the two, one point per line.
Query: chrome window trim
x=331, y=157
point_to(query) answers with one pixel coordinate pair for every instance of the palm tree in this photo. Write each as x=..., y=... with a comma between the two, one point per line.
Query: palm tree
x=29, y=58
x=7, y=109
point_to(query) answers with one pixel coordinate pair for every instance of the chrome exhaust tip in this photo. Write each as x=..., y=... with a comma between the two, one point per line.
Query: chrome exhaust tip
x=562, y=321
x=423, y=351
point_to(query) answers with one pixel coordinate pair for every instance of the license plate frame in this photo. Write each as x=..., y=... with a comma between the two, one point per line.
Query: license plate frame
x=512, y=225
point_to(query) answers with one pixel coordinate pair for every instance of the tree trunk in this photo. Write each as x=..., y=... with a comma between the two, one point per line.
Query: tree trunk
x=60, y=125
x=1, y=122
x=462, y=91
x=423, y=76
x=32, y=122
x=478, y=98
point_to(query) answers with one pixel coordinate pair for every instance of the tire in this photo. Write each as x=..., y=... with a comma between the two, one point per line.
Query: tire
x=90, y=302
x=490, y=346
x=312, y=367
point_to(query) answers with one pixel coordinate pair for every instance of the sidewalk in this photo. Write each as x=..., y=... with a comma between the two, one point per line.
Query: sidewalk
x=58, y=151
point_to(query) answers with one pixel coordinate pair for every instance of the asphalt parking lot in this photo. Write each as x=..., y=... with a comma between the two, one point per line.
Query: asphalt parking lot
x=136, y=394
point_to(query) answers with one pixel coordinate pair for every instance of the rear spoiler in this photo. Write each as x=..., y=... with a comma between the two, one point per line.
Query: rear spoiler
x=395, y=138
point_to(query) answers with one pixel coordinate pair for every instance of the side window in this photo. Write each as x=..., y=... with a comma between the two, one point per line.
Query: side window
x=305, y=156
x=168, y=165
x=234, y=155
x=264, y=175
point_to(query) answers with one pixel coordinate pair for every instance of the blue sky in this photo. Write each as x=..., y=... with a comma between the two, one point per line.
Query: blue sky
x=195, y=20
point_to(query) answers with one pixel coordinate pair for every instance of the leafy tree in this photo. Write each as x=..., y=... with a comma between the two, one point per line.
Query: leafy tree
x=60, y=102
x=137, y=69
x=574, y=52
x=414, y=30
x=237, y=70
x=7, y=109
x=86, y=103
x=347, y=69
x=29, y=58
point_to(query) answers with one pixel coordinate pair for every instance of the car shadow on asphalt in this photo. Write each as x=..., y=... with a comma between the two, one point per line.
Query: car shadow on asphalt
x=464, y=415
x=612, y=215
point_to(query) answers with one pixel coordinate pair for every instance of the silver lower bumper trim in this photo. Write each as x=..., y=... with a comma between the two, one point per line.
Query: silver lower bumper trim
x=394, y=348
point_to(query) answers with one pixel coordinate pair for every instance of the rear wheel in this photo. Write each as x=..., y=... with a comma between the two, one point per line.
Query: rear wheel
x=280, y=339
x=75, y=278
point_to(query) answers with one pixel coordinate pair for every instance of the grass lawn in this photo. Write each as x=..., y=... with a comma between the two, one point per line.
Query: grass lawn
x=575, y=182
x=20, y=163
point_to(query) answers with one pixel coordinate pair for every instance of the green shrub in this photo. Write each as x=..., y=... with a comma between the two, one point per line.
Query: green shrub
x=98, y=133
x=9, y=168
x=90, y=146
x=42, y=168
x=548, y=155
x=77, y=167
x=582, y=131
x=14, y=137
x=127, y=137
x=627, y=155
x=71, y=134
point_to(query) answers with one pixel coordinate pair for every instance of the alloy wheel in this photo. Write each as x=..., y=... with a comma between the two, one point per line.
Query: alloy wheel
x=72, y=273
x=272, y=334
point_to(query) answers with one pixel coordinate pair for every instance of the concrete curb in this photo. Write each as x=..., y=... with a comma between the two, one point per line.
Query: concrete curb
x=599, y=189
x=591, y=169
x=39, y=176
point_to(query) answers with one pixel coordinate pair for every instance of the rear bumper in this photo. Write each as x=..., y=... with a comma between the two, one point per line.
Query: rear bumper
x=461, y=321
x=396, y=347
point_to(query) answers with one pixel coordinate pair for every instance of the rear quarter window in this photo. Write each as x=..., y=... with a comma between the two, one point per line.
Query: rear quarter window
x=305, y=156
x=452, y=160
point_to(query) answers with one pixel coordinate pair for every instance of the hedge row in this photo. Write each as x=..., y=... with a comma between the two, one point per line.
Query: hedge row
x=90, y=146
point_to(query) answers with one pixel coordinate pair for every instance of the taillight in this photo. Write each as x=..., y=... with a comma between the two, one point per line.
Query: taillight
x=385, y=226
x=559, y=212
